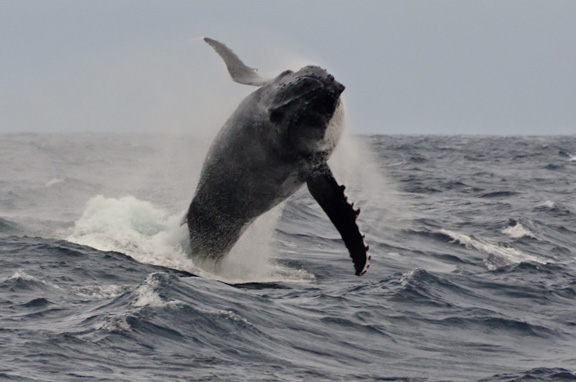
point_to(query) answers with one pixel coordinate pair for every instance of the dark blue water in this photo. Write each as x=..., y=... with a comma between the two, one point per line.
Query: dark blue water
x=473, y=274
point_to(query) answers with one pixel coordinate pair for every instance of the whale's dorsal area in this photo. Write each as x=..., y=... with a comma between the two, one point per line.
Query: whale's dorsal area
x=239, y=71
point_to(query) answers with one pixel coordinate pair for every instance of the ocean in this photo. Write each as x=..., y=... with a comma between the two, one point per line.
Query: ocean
x=473, y=272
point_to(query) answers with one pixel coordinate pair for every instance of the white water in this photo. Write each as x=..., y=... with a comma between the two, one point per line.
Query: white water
x=149, y=235
x=499, y=254
x=518, y=231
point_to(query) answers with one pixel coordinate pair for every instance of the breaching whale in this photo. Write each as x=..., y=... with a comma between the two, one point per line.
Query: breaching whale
x=279, y=138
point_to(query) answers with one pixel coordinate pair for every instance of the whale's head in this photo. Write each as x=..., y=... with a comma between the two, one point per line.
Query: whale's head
x=303, y=106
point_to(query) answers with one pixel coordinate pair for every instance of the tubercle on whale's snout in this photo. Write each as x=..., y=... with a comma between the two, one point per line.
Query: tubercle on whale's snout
x=312, y=75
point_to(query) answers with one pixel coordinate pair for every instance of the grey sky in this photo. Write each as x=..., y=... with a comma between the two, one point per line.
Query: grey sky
x=412, y=67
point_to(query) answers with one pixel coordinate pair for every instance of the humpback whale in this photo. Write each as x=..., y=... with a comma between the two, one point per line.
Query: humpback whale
x=280, y=137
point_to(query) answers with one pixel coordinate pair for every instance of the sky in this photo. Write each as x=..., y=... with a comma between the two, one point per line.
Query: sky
x=505, y=67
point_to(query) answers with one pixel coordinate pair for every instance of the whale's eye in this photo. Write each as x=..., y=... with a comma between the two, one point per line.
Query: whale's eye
x=276, y=116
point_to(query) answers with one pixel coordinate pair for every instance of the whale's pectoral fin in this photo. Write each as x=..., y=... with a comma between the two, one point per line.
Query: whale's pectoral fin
x=238, y=70
x=330, y=195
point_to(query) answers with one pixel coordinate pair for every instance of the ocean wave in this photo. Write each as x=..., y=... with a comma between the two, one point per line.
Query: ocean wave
x=423, y=287
x=22, y=281
x=8, y=227
x=458, y=291
x=498, y=194
x=556, y=208
x=541, y=374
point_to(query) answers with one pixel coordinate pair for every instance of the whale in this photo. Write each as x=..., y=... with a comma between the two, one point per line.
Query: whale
x=279, y=138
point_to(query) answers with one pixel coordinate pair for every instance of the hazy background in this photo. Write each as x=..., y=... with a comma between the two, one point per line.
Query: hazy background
x=417, y=67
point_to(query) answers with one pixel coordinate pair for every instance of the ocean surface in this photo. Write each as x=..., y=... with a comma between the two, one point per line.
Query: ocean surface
x=473, y=275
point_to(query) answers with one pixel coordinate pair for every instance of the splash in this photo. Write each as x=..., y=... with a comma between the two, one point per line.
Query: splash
x=135, y=228
x=383, y=208
x=150, y=235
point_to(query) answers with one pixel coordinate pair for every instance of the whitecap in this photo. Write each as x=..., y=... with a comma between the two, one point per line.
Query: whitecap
x=146, y=294
x=114, y=324
x=21, y=275
x=518, y=231
x=503, y=253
